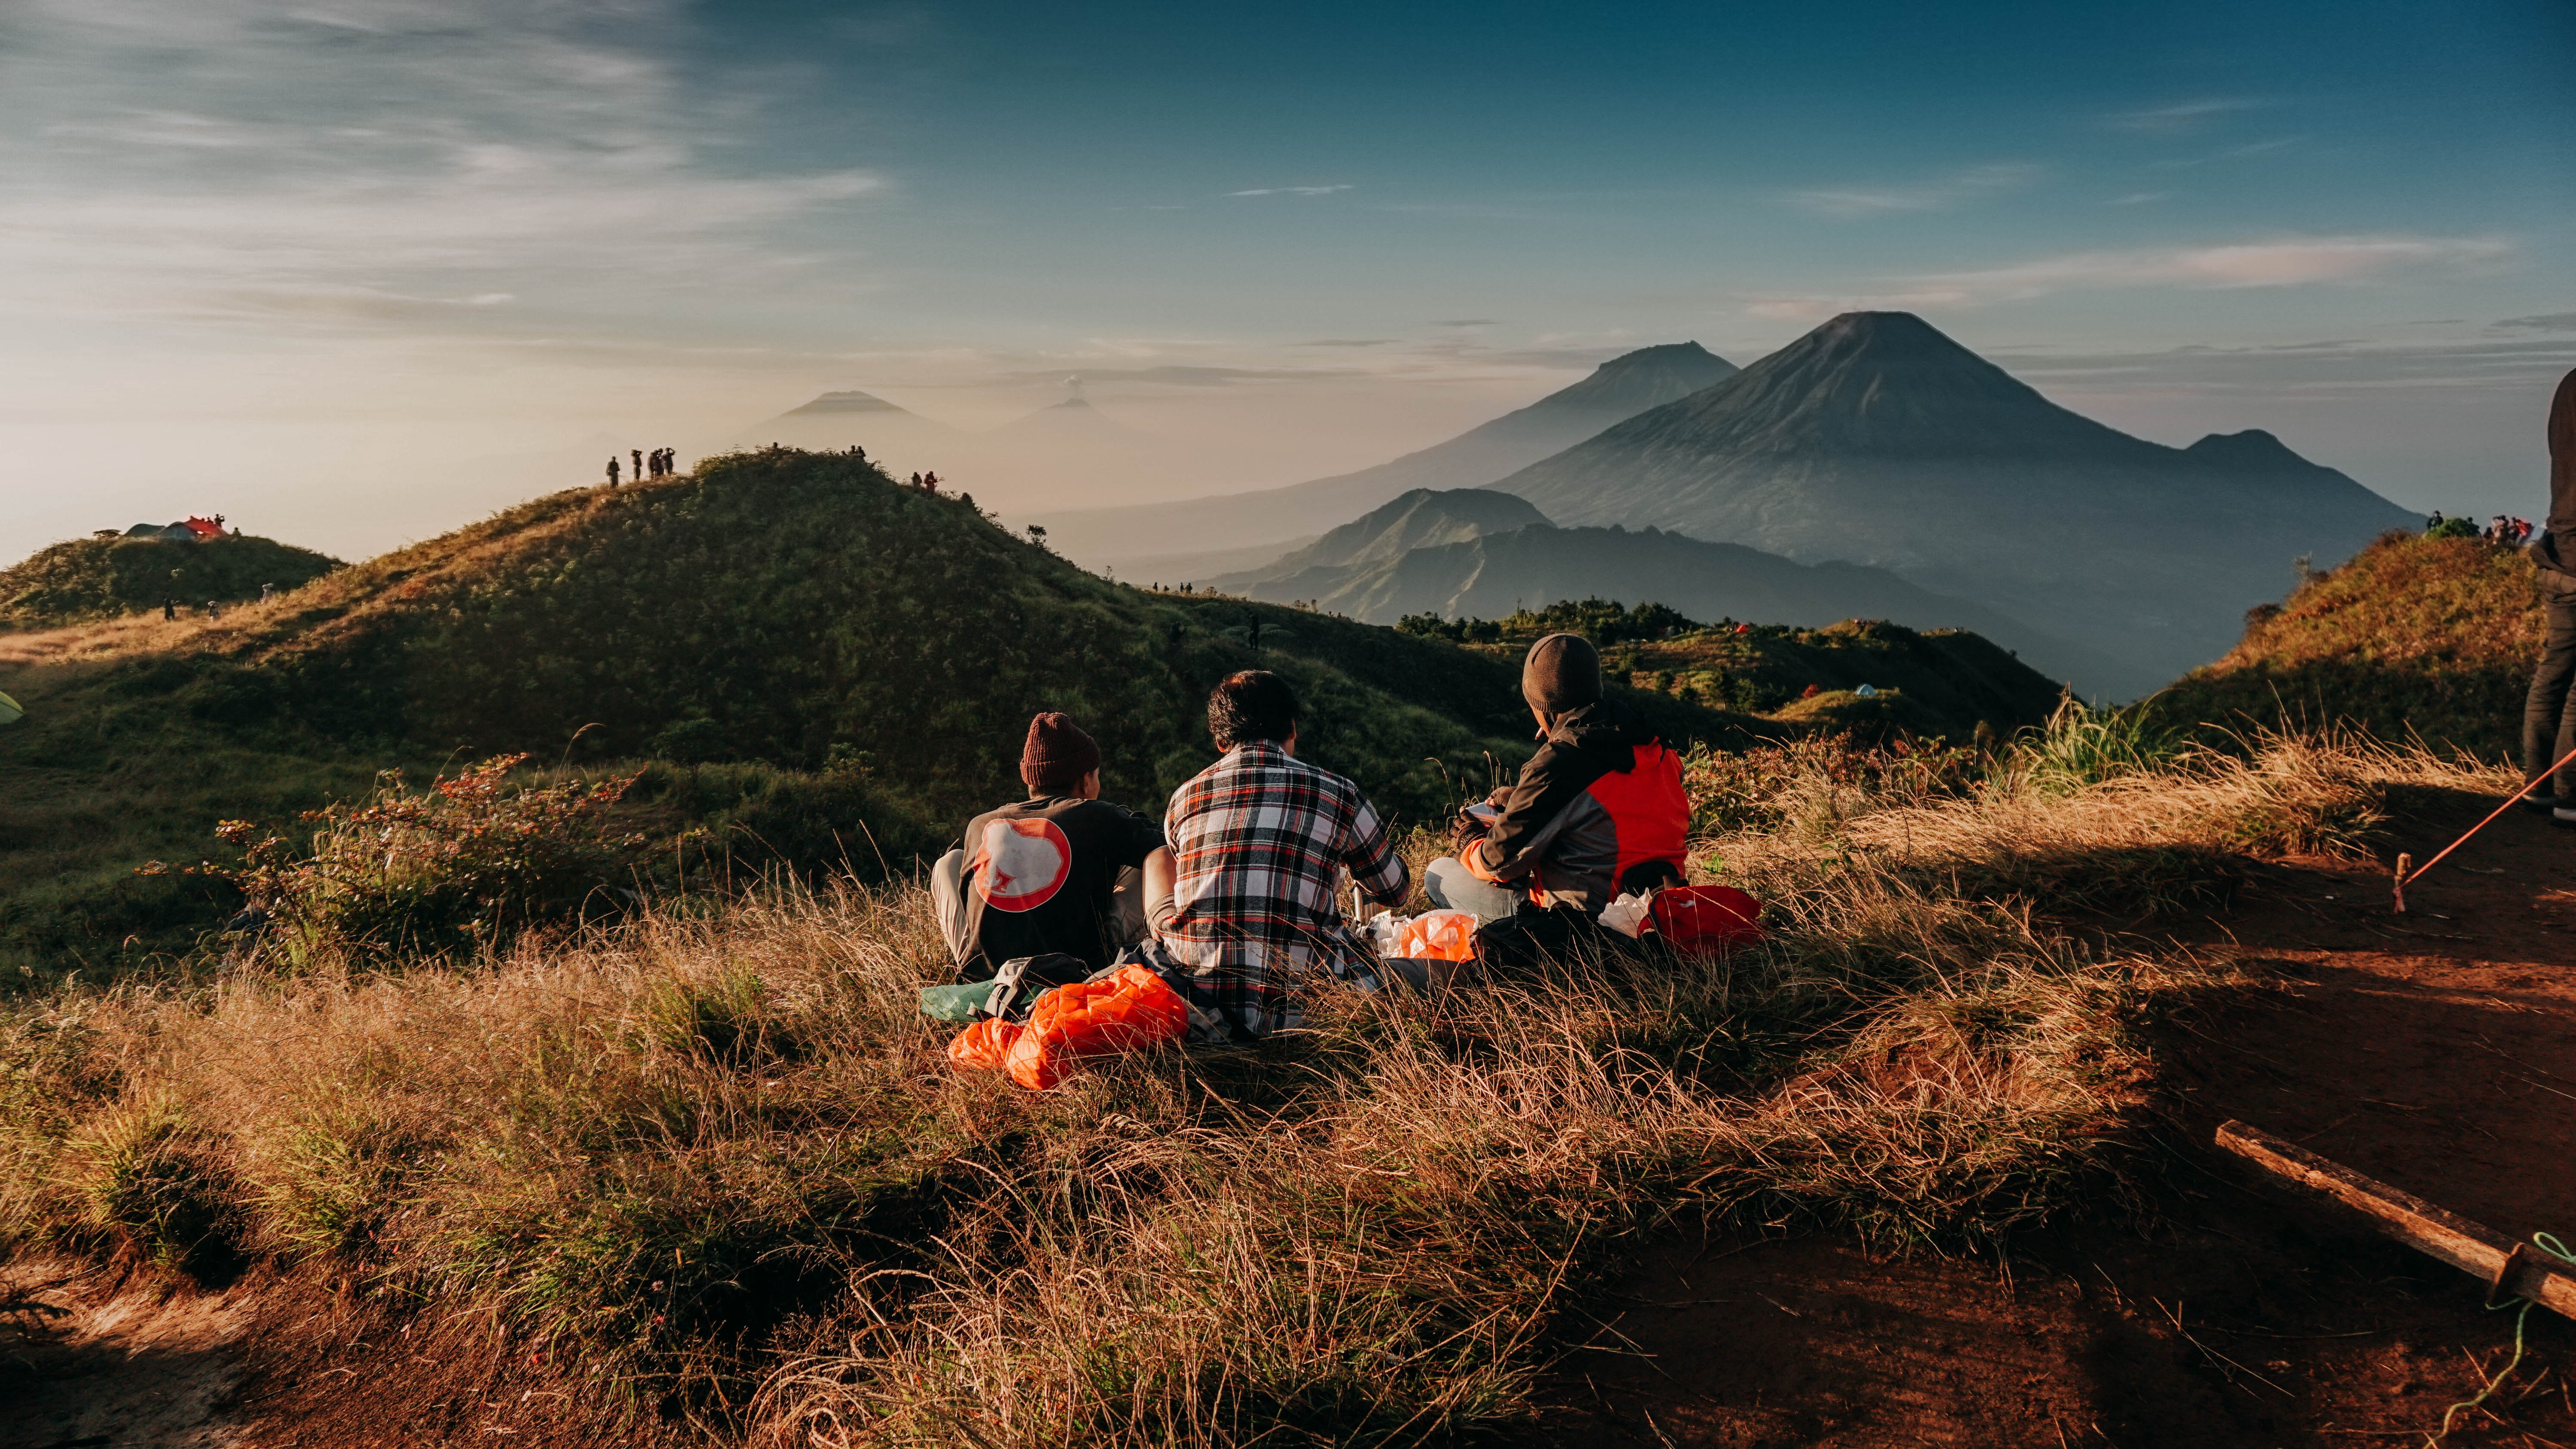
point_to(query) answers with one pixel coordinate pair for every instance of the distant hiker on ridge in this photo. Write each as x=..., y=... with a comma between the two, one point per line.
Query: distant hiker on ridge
x=638, y=455
x=612, y=470
x=2548, y=713
x=169, y=608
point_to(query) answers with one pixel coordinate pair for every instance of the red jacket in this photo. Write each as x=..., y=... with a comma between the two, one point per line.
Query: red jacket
x=1599, y=812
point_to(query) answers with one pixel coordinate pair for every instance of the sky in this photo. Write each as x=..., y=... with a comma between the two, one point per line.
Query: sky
x=359, y=271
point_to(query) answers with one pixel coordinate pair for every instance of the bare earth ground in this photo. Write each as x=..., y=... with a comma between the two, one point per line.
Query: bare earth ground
x=136, y=1367
x=2436, y=1052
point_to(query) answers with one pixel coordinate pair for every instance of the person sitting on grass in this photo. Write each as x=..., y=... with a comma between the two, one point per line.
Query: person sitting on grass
x=1598, y=812
x=1258, y=841
x=1062, y=871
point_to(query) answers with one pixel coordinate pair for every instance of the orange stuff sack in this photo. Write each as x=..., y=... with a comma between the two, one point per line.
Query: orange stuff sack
x=1437, y=936
x=1129, y=1011
x=1709, y=920
x=985, y=1045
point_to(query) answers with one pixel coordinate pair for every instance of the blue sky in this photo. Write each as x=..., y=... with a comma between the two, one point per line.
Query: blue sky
x=293, y=255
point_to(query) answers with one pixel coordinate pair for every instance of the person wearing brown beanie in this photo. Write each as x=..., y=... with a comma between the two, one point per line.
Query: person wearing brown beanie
x=1062, y=871
x=2549, y=711
x=1596, y=813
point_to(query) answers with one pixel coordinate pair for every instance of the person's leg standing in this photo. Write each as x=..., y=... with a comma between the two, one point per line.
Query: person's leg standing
x=2548, y=725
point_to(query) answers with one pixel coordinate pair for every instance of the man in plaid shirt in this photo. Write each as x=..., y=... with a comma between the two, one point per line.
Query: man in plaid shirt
x=1258, y=840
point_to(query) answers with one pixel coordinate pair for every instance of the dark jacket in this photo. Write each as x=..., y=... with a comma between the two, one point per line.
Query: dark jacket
x=2555, y=550
x=1599, y=811
x=1038, y=877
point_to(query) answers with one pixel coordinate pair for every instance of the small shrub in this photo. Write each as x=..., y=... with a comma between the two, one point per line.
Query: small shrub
x=156, y=1185
x=472, y=862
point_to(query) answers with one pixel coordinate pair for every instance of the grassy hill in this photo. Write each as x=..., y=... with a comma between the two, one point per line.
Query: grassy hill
x=825, y=663
x=1943, y=682
x=2427, y=636
x=99, y=578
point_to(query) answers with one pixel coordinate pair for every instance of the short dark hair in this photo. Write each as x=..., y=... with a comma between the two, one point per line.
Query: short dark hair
x=1251, y=704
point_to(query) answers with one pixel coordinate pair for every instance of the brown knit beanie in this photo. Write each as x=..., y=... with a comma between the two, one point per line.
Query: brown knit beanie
x=1057, y=755
x=1563, y=672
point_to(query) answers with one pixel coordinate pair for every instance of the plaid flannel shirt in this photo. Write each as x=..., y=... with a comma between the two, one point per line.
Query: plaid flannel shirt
x=1258, y=839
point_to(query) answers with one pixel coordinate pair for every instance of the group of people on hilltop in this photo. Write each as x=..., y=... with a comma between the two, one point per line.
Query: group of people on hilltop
x=2502, y=529
x=1237, y=885
x=660, y=463
x=925, y=482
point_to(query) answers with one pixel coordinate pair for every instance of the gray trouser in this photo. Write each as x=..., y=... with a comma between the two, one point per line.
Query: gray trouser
x=1453, y=887
x=2548, y=722
x=948, y=903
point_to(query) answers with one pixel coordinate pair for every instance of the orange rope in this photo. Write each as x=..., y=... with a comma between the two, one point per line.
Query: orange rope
x=2403, y=875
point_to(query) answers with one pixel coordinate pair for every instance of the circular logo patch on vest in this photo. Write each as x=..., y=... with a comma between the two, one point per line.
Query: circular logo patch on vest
x=1021, y=864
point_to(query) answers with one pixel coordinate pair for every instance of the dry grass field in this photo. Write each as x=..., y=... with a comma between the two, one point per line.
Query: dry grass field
x=706, y=1176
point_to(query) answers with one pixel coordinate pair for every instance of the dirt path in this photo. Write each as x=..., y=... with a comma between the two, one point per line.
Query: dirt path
x=2436, y=1052
x=136, y=1369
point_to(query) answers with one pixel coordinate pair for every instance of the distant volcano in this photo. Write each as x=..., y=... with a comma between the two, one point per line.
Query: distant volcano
x=1618, y=389
x=845, y=402
x=1878, y=440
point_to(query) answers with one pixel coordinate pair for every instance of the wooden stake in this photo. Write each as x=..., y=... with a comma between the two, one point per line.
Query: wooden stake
x=2468, y=1246
x=2403, y=860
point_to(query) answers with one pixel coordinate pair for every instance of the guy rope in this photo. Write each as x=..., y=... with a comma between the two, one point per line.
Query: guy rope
x=2404, y=875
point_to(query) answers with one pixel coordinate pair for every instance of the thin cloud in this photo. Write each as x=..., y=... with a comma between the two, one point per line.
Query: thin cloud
x=1463, y=322
x=2233, y=153
x=2546, y=322
x=2185, y=116
x=2300, y=262
x=1290, y=191
x=1859, y=203
x=479, y=149
x=1187, y=376
x=2138, y=198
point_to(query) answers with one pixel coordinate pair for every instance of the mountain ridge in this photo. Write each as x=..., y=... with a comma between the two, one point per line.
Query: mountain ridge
x=1879, y=440
x=1619, y=388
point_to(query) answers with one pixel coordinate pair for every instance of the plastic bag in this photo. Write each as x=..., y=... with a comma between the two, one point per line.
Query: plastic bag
x=1123, y=1012
x=1436, y=936
x=1627, y=915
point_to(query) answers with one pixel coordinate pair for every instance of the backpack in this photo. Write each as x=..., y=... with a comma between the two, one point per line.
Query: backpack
x=1706, y=920
x=1009, y=994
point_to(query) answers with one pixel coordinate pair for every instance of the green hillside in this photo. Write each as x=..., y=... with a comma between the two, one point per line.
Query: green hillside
x=2426, y=636
x=810, y=648
x=1937, y=682
x=99, y=578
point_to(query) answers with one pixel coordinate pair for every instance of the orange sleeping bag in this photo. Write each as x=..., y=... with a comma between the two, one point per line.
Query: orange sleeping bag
x=1130, y=1010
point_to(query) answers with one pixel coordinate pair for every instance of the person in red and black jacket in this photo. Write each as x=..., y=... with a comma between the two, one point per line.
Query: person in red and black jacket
x=1599, y=810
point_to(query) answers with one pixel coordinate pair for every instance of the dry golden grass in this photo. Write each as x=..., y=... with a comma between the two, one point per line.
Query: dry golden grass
x=715, y=1162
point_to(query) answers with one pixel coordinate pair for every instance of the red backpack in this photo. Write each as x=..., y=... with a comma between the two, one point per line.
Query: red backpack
x=1709, y=920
